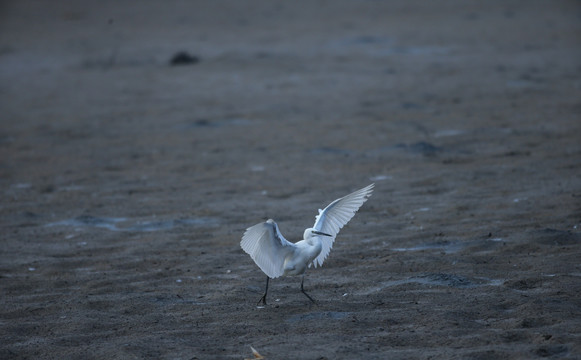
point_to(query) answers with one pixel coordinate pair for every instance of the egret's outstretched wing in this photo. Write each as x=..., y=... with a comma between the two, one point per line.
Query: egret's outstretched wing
x=267, y=247
x=335, y=216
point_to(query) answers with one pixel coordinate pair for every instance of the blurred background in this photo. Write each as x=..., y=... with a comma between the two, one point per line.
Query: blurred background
x=139, y=139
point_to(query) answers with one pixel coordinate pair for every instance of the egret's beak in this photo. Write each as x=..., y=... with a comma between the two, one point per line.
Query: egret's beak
x=321, y=233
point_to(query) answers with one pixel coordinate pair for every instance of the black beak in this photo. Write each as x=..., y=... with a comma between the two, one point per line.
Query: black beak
x=321, y=233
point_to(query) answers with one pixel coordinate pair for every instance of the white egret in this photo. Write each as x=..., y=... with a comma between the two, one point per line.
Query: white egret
x=276, y=256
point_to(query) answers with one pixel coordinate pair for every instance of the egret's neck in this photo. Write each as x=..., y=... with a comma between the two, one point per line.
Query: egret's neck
x=315, y=245
x=308, y=236
x=312, y=239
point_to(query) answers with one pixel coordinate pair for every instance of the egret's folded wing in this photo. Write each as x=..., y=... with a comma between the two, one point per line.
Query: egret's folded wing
x=267, y=247
x=335, y=216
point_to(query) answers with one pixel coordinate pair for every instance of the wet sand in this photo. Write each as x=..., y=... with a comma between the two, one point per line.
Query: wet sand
x=127, y=182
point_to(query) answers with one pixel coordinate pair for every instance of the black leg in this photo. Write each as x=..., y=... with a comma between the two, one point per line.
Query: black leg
x=304, y=292
x=263, y=298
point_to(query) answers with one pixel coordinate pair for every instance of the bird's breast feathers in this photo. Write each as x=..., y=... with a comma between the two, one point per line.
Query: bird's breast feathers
x=297, y=262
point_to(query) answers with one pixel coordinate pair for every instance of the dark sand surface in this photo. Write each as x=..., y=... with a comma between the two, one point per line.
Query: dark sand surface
x=127, y=183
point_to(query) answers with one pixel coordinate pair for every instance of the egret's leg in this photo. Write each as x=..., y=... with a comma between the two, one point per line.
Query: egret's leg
x=303, y=290
x=263, y=298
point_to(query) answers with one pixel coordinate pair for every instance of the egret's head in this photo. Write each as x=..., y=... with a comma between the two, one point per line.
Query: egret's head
x=310, y=232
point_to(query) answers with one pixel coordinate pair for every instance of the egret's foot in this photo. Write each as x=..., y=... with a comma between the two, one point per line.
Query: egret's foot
x=304, y=292
x=309, y=296
x=262, y=300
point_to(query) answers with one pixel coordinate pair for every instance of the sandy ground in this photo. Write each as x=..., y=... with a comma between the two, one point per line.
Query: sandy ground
x=127, y=182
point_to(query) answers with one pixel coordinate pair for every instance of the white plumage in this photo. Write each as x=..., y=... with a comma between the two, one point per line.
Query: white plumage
x=335, y=216
x=267, y=247
x=276, y=256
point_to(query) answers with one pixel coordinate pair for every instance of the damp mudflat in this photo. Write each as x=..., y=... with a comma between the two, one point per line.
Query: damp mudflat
x=127, y=178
